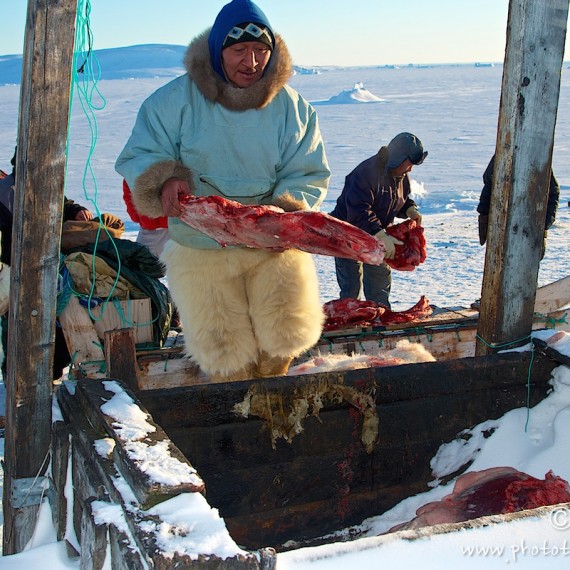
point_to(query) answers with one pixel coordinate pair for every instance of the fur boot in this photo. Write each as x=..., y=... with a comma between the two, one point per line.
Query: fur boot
x=269, y=366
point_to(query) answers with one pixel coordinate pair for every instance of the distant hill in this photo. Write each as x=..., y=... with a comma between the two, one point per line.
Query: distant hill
x=149, y=60
x=132, y=62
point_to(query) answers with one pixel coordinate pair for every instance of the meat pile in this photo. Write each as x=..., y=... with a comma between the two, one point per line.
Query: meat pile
x=498, y=490
x=413, y=252
x=269, y=227
x=344, y=313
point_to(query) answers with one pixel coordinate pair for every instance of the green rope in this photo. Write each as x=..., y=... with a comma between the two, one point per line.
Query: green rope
x=85, y=79
x=551, y=322
x=528, y=388
x=507, y=344
x=502, y=345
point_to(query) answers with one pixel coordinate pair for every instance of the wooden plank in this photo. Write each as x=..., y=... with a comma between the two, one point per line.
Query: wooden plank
x=553, y=297
x=168, y=372
x=213, y=404
x=59, y=464
x=121, y=357
x=525, y=139
x=95, y=476
x=82, y=340
x=443, y=343
x=135, y=313
x=91, y=395
x=94, y=538
x=40, y=180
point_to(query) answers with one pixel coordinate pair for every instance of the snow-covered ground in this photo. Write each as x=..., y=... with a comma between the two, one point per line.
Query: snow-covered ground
x=453, y=109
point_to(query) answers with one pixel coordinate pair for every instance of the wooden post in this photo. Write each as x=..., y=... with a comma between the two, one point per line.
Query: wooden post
x=40, y=175
x=121, y=356
x=536, y=34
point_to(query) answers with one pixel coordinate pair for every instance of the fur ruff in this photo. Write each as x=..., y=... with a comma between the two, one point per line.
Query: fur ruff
x=215, y=89
x=235, y=304
x=147, y=191
x=289, y=203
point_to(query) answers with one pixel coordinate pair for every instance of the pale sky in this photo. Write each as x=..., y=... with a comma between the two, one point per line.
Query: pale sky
x=318, y=32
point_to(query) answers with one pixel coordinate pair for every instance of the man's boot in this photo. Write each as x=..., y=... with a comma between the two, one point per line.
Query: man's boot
x=269, y=366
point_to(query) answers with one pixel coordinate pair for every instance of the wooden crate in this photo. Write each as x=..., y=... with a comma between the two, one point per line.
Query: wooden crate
x=136, y=313
x=84, y=336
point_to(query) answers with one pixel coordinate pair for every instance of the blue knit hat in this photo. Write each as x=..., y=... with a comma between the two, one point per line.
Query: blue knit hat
x=405, y=146
x=235, y=15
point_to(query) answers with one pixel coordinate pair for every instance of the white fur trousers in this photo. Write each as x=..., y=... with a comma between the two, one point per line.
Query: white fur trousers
x=236, y=303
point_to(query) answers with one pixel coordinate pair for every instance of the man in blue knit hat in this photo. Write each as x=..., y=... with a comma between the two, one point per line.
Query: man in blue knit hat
x=232, y=127
x=374, y=194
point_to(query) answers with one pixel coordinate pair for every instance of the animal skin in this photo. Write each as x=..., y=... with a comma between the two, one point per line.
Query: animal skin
x=405, y=352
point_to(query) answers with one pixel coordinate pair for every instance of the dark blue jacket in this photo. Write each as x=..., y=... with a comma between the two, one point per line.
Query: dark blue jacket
x=371, y=197
x=485, y=199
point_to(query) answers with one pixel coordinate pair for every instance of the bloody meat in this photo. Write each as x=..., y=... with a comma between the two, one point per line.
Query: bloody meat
x=413, y=252
x=269, y=227
x=493, y=491
x=341, y=313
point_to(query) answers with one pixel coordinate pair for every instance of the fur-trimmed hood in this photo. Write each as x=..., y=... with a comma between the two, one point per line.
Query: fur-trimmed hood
x=215, y=89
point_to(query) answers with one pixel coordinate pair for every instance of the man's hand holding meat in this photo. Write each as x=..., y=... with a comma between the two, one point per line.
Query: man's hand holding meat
x=172, y=190
x=389, y=242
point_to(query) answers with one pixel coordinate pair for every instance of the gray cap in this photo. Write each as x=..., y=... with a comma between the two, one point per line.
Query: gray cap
x=404, y=146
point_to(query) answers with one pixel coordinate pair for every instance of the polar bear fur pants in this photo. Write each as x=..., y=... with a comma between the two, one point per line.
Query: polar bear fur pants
x=240, y=305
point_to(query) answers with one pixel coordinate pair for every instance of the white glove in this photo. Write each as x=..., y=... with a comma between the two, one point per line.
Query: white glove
x=414, y=214
x=389, y=242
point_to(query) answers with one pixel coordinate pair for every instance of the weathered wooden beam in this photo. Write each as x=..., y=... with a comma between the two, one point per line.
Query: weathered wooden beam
x=40, y=175
x=121, y=356
x=536, y=34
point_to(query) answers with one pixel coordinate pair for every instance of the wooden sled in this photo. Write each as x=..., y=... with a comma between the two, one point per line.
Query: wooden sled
x=290, y=460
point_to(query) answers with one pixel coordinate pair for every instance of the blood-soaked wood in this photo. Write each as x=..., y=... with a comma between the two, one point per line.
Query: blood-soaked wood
x=308, y=480
x=242, y=471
